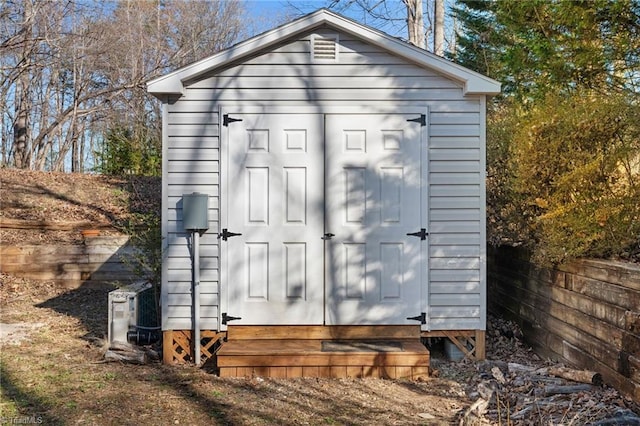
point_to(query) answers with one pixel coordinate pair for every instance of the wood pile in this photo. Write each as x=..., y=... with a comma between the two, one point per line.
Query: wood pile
x=514, y=386
x=131, y=354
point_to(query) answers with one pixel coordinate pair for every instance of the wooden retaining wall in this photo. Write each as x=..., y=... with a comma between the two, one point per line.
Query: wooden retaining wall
x=585, y=314
x=99, y=260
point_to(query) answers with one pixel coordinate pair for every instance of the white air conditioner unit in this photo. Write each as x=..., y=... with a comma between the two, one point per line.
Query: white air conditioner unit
x=125, y=310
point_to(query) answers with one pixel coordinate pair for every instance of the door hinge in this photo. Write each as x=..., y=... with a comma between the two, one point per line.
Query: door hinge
x=225, y=234
x=422, y=120
x=422, y=233
x=422, y=318
x=226, y=120
x=226, y=318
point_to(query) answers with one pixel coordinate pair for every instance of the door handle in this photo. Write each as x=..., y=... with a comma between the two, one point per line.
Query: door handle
x=328, y=236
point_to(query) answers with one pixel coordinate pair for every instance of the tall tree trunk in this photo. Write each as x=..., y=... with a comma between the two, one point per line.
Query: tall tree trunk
x=42, y=146
x=5, y=138
x=415, y=23
x=21, y=150
x=453, y=43
x=75, y=152
x=438, y=27
x=20, y=127
x=81, y=156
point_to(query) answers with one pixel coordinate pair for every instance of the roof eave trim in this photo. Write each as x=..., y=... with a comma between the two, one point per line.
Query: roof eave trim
x=482, y=88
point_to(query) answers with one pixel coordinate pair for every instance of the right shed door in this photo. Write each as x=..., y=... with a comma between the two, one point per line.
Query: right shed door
x=373, y=176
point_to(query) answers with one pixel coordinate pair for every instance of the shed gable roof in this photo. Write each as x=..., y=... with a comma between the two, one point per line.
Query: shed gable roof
x=174, y=82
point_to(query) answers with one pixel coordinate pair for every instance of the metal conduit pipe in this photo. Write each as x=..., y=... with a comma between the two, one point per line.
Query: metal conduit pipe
x=195, y=219
x=196, y=297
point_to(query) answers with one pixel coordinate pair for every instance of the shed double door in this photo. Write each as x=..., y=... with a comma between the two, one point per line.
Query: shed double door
x=323, y=203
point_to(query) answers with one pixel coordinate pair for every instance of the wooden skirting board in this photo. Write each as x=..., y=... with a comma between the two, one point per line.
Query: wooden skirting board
x=333, y=372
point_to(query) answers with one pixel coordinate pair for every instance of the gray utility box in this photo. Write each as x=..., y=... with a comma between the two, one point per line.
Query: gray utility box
x=126, y=311
x=195, y=211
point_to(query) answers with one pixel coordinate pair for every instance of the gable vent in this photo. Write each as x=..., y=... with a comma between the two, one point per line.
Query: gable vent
x=324, y=48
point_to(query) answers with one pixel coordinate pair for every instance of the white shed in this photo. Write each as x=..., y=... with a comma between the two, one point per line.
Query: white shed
x=350, y=164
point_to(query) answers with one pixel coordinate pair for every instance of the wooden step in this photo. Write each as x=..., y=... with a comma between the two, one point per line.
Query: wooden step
x=289, y=358
x=322, y=332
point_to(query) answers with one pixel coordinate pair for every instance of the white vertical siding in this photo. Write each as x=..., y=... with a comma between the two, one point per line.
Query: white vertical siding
x=367, y=77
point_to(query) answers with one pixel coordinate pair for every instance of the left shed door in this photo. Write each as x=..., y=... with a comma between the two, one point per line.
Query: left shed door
x=274, y=196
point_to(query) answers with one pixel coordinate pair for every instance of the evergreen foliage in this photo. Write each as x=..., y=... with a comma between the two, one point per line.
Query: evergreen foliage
x=125, y=151
x=536, y=46
x=564, y=139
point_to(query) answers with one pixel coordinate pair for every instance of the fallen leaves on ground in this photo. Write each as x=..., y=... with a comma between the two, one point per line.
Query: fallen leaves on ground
x=72, y=197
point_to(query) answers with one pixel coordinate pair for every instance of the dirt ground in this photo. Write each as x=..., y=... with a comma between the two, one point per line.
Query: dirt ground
x=52, y=341
x=52, y=368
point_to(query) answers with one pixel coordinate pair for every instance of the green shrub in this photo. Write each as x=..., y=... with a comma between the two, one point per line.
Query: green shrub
x=127, y=151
